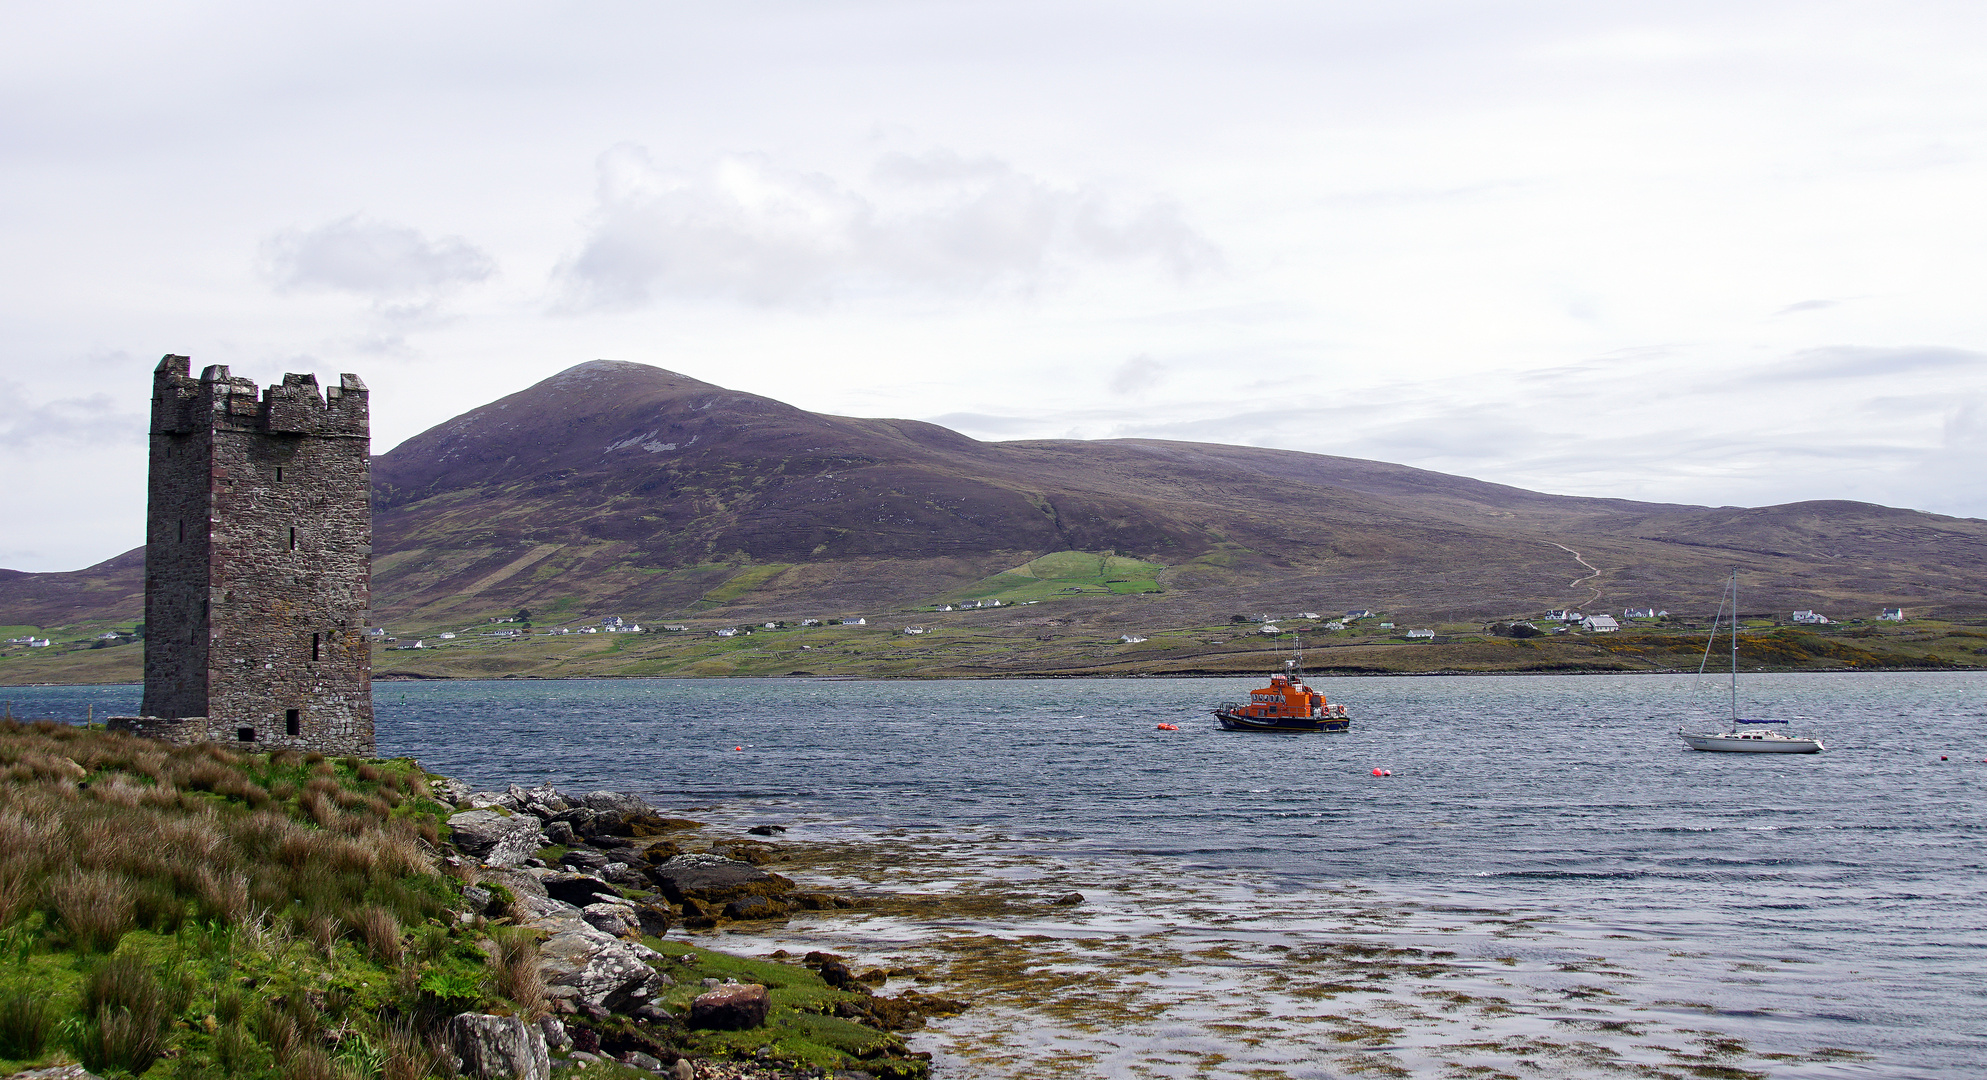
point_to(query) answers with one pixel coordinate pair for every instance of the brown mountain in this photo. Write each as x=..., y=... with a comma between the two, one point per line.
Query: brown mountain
x=616, y=487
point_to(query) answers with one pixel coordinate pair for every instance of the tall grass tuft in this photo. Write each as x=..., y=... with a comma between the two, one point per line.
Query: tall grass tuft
x=95, y=908
x=236, y=1051
x=380, y=931
x=26, y=1020
x=407, y=1056
x=128, y=1009
x=516, y=975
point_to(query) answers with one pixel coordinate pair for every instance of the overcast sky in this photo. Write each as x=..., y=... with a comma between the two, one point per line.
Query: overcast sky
x=1704, y=252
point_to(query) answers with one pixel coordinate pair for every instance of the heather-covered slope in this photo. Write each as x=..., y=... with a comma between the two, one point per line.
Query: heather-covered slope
x=616, y=488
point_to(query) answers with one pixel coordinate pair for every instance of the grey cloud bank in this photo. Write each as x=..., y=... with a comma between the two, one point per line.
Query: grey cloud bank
x=749, y=230
x=1666, y=252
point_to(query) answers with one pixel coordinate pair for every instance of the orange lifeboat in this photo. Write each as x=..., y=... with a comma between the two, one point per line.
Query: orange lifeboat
x=1286, y=704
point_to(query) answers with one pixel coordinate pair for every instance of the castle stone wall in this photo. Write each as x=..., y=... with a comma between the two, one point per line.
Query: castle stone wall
x=258, y=555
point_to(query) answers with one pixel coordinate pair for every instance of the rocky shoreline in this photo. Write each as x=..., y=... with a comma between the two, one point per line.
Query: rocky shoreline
x=602, y=875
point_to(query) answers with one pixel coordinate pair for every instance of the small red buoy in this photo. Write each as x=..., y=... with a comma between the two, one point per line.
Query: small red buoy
x=1383, y=772
x=738, y=748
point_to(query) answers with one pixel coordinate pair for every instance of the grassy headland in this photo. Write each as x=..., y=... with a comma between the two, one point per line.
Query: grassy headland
x=192, y=912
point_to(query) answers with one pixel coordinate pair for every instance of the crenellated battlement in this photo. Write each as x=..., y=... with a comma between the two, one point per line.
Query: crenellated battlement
x=218, y=400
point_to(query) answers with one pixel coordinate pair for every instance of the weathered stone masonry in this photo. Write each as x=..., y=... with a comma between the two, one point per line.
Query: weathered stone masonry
x=258, y=548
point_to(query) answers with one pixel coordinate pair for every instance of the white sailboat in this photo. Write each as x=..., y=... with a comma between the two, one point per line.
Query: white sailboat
x=1743, y=736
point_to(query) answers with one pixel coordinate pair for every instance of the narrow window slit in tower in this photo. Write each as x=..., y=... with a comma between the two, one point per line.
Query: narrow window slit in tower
x=279, y=474
x=316, y=646
x=293, y=538
x=293, y=721
x=182, y=529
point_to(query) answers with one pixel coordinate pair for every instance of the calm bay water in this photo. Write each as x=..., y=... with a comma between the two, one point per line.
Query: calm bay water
x=1568, y=797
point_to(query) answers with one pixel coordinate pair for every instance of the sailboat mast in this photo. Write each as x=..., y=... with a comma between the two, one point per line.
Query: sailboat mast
x=1735, y=647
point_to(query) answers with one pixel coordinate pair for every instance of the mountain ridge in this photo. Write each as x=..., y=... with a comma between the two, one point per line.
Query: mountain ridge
x=628, y=488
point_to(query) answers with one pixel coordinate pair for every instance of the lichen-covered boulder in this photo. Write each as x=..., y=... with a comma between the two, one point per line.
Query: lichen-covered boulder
x=587, y=969
x=621, y=920
x=495, y=838
x=499, y=1046
x=621, y=873
x=714, y=879
x=734, y=1007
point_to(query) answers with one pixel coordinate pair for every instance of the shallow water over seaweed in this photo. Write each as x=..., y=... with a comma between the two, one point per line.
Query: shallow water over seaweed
x=1799, y=903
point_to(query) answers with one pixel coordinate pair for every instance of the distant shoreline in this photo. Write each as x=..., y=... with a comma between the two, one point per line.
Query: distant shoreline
x=407, y=678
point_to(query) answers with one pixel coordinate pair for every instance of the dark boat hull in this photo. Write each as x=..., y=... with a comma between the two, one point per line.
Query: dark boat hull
x=1294, y=724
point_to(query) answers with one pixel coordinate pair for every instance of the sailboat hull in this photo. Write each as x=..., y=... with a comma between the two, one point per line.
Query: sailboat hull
x=1752, y=742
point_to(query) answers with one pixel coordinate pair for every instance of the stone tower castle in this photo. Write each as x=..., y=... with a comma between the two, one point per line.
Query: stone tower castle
x=258, y=549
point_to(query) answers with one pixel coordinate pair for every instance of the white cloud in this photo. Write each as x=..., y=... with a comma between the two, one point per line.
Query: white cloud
x=402, y=272
x=1137, y=375
x=748, y=229
x=1862, y=361
x=65, y=422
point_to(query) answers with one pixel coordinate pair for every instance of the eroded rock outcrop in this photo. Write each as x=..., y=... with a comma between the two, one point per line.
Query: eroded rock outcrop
x=586, y=968
x=495, y=838
x=499, y=1046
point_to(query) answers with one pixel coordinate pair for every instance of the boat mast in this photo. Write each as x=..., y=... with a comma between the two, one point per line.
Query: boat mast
x=1735, y=647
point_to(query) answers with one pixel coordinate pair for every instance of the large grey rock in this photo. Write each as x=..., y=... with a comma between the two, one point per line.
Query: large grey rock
x=482, y=800
x=621, y=873
x=544, y=795
x=586, y=967
x=448, y=789
x=521, y=881
x=584, y=859
x=576, y=888
x=56, y=1072
x=714, y=879
x=621, y=920
x=499, y=1046
x=561, y=833
x=495, y=838
x=616, y=802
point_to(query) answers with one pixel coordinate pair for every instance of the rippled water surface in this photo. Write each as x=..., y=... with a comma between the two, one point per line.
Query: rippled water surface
x=1565, y=797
